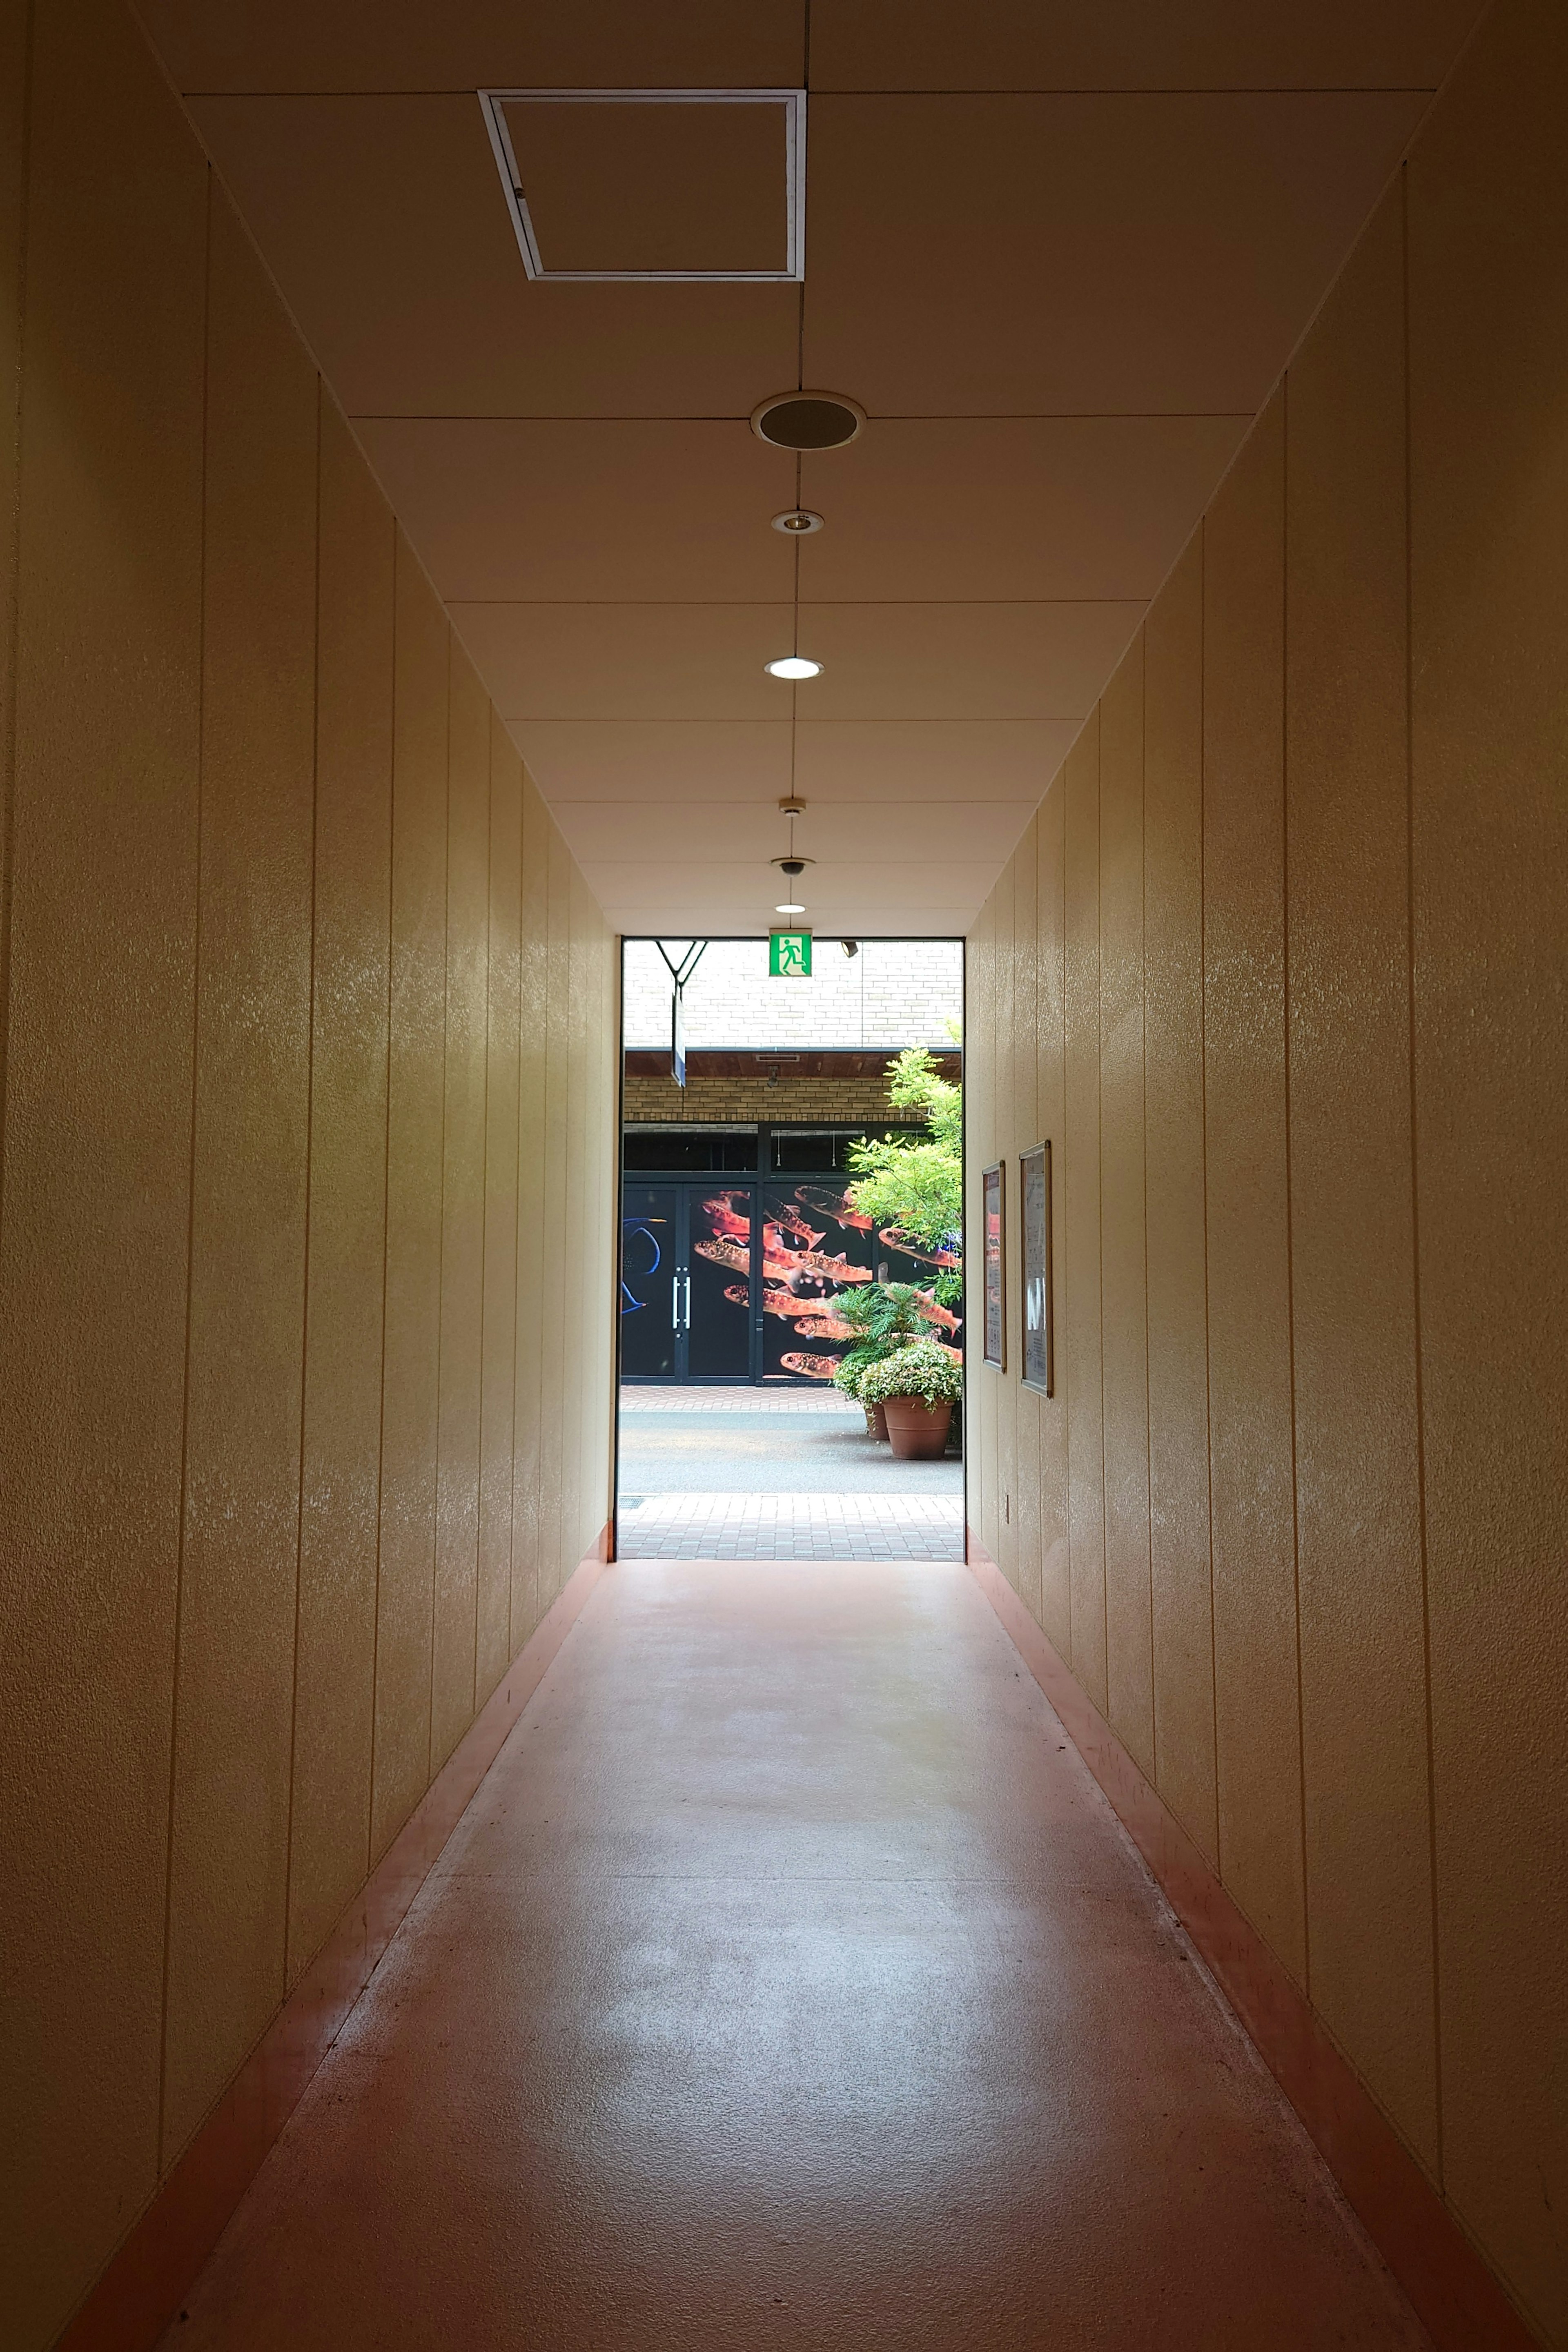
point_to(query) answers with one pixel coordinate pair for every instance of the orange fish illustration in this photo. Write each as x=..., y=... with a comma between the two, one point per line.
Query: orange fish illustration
x=814, y=1368
x=791, y=1222
x=932, y=1313
x=832, y=1204
x=729, y=1254
x=727, y=1218
x=896, y=1238
x=832, y=1269
x=825, y=1326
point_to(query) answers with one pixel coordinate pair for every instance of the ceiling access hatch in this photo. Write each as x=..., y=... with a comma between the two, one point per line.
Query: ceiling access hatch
x=705, y=185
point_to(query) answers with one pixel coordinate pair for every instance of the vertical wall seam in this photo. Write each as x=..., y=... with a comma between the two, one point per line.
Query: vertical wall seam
x=190, y=1172
x=1099, y=1167
x=512, y=1643
x=1061, y=1224
x=484, y=1197
x=1289, y=1173
x=310, y=1187
x=1202, y=536
x=1144, y=1158
x=1415, y=1170
x=13, y=617
x=441, y=1246
x=385, y=1218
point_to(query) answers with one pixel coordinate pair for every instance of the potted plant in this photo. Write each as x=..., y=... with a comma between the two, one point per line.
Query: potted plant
x=887, y=1315
x=917, y=1388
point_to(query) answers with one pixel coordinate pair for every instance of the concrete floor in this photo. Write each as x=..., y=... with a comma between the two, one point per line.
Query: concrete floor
x=739, y=1453
x=789, y=1983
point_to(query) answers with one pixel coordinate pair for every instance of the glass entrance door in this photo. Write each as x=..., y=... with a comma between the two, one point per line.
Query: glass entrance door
x=650, y=1282
x=688, y=1281
x=721, y=1281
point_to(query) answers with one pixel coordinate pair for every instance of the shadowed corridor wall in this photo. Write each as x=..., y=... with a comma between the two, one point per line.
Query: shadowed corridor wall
x=305, y=1233
x=1278, y=970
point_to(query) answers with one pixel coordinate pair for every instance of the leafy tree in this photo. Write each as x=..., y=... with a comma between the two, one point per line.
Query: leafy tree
x=918, y=1185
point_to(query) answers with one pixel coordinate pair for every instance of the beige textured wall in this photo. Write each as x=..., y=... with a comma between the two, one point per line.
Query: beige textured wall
x=1277, y=969
x=306, y=1197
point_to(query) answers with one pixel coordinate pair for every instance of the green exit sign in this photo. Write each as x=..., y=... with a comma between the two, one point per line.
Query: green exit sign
x=789, y=955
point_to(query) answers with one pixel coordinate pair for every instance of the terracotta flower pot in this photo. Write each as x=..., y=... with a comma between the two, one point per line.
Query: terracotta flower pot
x=916, y=1430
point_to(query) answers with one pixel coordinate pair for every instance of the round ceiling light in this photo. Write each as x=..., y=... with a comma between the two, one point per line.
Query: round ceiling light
x=793, y=665
x=797, y=523
x=790, y=907
x=807, y=420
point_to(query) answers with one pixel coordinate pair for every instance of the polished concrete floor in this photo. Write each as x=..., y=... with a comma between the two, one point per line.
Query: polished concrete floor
x=789, y=1983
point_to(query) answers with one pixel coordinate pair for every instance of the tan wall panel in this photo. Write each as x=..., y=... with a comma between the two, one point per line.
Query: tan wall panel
x=555, y=1516
x=339, y=1510
x=1488, y=368
x=1051, y=873
x=980, y=1077
x=1183, y=1599
x=235, y=1695
x=1004, y=1145
x=463, y=1209
x=1079, y=1259
x=1130, y=1673
x=1256, y=1682
x=532, y=933
x=1027, y=1405
x=1353, y=1053
x=415, y=1096
x=222, y=1156
x=1363, y=1707
x=97, y=1144
x=499, y=1371
x=579, y=1335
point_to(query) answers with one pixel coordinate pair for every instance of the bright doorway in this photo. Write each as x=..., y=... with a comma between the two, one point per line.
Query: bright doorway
x=756, y=1252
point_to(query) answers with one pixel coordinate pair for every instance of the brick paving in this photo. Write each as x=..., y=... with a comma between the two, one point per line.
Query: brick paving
x=637, y=1397
x=791, y=1527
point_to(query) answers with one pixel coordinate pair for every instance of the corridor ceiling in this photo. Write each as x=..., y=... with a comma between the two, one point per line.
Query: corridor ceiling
x=1058, y=251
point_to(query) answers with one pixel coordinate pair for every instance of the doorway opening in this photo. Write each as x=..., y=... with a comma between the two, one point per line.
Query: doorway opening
x=760, y=1264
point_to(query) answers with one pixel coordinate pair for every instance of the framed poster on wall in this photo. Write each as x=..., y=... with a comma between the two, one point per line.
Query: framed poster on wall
x=993, y=1244
x=1039, y=1337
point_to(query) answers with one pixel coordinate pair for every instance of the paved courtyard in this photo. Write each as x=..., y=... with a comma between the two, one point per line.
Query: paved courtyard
x=784, y=1474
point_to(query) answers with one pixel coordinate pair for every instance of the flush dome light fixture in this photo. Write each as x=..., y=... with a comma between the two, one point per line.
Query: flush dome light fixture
x=793, y=665
x=791, y=907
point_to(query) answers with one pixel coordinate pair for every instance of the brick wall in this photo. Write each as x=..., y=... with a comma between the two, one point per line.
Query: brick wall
x=742, y=1102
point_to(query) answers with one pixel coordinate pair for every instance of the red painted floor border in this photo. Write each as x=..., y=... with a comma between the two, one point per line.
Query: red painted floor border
x=1457, y=2299
x=140, y=2292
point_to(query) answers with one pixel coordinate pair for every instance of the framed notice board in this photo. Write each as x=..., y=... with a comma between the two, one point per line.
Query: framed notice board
x=1039, y=1334
x=993, y=1244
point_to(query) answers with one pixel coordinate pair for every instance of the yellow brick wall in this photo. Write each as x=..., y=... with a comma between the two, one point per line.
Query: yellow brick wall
x=741, y=1101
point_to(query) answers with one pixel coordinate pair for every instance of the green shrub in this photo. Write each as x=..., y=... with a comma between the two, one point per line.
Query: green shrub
x=888, y=1315
x=923, y=1370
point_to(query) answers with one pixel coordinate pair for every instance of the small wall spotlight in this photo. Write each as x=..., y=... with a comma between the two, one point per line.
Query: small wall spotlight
x=850, y=947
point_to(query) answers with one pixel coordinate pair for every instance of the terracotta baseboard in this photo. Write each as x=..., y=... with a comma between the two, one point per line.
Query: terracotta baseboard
x=141, y=2290
x=1457, y=2299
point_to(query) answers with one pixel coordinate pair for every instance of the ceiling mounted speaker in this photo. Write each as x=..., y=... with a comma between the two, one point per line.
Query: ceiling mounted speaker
x=807, y=420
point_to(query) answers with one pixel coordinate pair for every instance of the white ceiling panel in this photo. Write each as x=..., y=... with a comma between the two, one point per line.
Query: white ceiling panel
x=1024, y=256
x=935, y=760
x=1085, y=508
x=577, y=512
x=831, y=834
